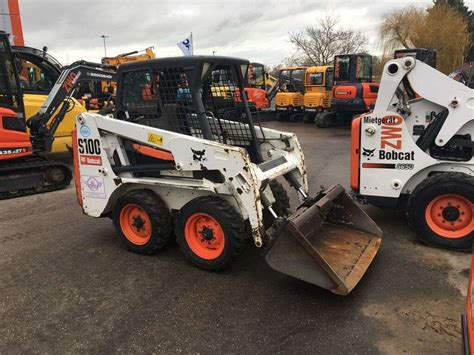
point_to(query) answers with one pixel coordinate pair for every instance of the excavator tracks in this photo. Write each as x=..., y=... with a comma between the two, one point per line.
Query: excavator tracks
x=33, y=176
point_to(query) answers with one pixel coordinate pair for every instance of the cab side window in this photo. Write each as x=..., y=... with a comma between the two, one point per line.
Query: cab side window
x=329, y=79
x=138, y=89
x=37, y=77
x=139, y=93
x=316, y=79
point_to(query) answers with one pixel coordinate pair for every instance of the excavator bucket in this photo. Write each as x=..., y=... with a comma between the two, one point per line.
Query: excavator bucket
x=329, y=243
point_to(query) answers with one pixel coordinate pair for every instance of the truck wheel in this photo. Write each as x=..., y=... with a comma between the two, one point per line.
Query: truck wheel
x=308, y=117
x=210, y=233
x=281, y=206
x=441, y=211
x=143, y=222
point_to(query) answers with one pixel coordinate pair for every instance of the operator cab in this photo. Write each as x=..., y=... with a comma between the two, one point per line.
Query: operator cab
x=353, y=68
x=11, y=96
x=354, y=92
x=292, y=79
x=197, y=96
x=256, y=76
x=319, y=77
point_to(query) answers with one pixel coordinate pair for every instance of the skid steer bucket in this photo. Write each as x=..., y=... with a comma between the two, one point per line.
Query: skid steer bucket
x=330, y=243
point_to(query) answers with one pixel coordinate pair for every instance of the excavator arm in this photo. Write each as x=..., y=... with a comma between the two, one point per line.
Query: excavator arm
x=283, y=79
x=44, y=124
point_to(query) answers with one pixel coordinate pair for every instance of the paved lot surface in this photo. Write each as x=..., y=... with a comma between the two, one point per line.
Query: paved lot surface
x=67, y=285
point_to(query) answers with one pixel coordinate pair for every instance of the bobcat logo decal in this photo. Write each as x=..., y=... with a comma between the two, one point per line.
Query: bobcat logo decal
x=369, y=153
x=198, y=155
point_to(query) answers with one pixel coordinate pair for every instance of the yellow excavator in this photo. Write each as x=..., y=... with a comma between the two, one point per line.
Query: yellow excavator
x=290, y=96
x=319, y=81
x=39, y=71
x=135, y=56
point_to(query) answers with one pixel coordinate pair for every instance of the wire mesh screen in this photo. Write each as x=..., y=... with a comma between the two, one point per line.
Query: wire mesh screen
x=227, y=115
x=162, y=98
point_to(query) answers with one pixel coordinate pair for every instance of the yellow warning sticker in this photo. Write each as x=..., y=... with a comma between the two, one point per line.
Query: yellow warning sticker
x=155, y=138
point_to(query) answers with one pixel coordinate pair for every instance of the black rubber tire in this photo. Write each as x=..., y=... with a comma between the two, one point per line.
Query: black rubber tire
x=424, y=193
x=160, y=217
x=281, y=206
x=231, y=222
x=325, y=120
x=282, y=201
x=309, y=117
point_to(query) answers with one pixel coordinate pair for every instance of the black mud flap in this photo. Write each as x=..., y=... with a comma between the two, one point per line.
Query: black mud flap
x=330, y=243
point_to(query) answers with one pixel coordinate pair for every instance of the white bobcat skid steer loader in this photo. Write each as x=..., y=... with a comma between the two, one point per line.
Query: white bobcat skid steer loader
x=183, y=156
x=415, y=151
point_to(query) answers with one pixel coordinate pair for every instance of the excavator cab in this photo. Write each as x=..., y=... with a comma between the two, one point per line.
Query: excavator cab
x=319, y=81
x=255, y=86
x=354, y=91
x=256, y=76
x=290, y=97
x=14, y=140
x=179, y=126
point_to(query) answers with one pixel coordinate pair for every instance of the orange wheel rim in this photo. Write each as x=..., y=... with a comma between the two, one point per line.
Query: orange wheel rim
x=204, y=236
x=135, y=224
x=450, y=216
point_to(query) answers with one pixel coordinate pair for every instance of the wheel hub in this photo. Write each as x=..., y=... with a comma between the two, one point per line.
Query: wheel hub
x=207, y=234
x=451, y=213
x=138, y=223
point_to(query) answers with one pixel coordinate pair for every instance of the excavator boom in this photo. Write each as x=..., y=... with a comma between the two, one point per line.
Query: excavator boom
x=43, y=125
x=24, y=168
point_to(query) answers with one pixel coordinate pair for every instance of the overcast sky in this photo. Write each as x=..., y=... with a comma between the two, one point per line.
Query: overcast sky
x=256, y=30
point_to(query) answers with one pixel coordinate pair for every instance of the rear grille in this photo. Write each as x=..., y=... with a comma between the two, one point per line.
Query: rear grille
x=312, y=100
x=296, y=101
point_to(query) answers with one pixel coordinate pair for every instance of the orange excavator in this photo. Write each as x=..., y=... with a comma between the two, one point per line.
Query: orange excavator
x=256, y=86
x=354, y=92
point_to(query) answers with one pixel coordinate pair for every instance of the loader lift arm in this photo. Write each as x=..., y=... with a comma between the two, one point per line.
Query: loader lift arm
x=59, y=100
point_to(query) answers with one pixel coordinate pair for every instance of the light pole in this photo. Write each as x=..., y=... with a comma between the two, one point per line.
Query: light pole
x=105, y=47
x=214, y=52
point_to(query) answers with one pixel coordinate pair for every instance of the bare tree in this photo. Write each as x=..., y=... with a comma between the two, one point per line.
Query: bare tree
x=317, y=45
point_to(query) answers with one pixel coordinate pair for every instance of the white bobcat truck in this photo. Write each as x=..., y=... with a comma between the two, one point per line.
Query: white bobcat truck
x=180, y=159
x=415, y=151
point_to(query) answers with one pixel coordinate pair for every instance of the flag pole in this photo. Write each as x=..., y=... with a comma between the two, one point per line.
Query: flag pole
x=192, y=51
